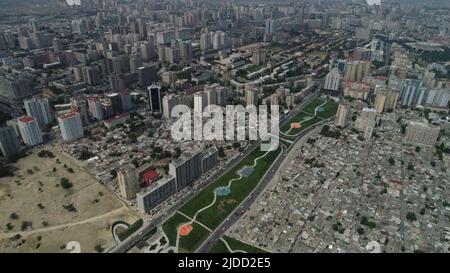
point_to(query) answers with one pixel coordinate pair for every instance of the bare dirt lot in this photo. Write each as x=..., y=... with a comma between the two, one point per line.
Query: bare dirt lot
x=35, y=204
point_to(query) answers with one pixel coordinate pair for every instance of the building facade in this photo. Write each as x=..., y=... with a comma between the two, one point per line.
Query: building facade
x=421, y=133
x=71, y=126
x=128, y=182
x=9, y=142
x=29, y=130
x=152, y=197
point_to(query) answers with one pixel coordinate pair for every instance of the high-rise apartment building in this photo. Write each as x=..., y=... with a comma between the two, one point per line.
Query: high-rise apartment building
x=128, y=182
x=29, y=131
x=9, y=142
x=154, y=195
x=421, y=133
x=40, y=110
x=71, y=126
x=154, y=98
x=186, y=168
x=343, y=114
x=333, y=80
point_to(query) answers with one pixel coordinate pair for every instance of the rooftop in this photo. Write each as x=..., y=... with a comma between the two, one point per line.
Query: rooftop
x=26, y=119
x=69, y=115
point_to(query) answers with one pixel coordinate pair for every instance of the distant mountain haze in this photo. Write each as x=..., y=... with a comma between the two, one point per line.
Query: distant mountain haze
x=373, y=2
x=73, y=2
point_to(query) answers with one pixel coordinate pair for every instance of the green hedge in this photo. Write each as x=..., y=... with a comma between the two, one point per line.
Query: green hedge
x=131, y=229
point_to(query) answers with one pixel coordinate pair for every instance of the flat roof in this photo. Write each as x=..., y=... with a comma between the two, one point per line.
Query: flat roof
x=26, y=119
x=150, y=175
x=69, y=115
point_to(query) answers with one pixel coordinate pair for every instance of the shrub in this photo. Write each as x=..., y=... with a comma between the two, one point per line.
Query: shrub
x=14, y=216
x=411, y=216
x=65, y=183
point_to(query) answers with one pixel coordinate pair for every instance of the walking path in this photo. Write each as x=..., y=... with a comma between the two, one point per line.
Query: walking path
x=229, y=248
x=306, y=119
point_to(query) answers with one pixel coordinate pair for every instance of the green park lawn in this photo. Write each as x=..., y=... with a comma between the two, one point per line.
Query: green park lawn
x=240, y=189
x=330, y=109
x=187, y=243
x=219, y=246
x=311, y=107
x=170, y=227
x=192, y=241
x=305, y=125
x=297, y=118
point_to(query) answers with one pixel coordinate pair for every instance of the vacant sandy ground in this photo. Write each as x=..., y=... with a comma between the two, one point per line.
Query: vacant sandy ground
x=35, y=195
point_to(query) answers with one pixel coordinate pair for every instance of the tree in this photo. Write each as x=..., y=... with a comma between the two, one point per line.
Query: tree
x=177, y=152
x=26, y=225
x=338, y=227
x=365, y=221
x=391, y=161
x=417, y=149
x=411, y=216
x=45, y=154
x=14, y=216
x=6, y=171
x=221, y=152
x=85, y=154
x=326, y=131
x=360, y=230
x=410, y=166
x=65, y=183
x=403, y=128
x=99, y=248
x=70, y=208
x=9, y=226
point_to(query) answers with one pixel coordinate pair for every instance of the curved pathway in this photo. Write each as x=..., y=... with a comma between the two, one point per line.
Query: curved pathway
x=229, y=248
x=114, y=231
x=306, y=119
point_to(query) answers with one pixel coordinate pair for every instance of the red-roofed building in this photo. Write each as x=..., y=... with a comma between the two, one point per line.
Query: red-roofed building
x=71, y=126
x=29, y=131
x=147, y=174
x=26, y=119
x=149, y=177
x=69, y=115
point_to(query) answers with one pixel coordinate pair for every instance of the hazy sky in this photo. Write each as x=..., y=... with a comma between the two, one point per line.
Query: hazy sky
x=73, y=2
x=373, y=2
